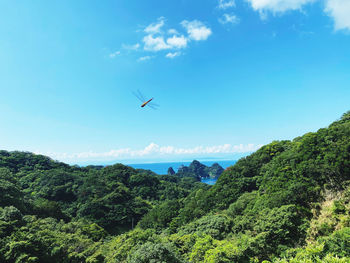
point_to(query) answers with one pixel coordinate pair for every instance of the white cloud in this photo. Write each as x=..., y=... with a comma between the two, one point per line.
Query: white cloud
x=224, y=4
x=155, y=27
x=173, y=31
x=158, y=43
x=339, y=10
x=155, y=43
x=177, y=42
x=278, y=6
x=196, y=30
x=154, y=150
x=157, y=37
x=131, y=47
x=173, y=55
x=115, y=54
x=145, y=58
x=229, y=19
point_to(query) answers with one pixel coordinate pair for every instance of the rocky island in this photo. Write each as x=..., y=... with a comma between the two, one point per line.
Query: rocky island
x=198, y=171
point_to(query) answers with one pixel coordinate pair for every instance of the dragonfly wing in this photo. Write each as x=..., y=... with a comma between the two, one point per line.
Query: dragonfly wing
x=152, y=107
x=141, y=95
x=138, y=96
x=153, y=104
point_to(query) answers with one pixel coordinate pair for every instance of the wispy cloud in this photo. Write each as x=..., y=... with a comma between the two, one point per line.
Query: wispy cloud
x=154, y=150
x=173, y=31
x=157, y=39
x=278, y=6
x=158, y=43
x=155, y=28
x=114, y=54
x=155, y=43
x=196, y=30
x=173, y=55
x=229, y=19
x=339, y=10
x=144, y=58
x=131, y=47
x=224, y=4
x=177, y=41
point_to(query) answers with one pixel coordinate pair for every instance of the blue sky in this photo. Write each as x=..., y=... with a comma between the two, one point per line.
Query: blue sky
x=229, y=76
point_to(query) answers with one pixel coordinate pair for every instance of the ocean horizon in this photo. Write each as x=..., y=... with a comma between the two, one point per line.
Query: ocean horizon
x=162, y=168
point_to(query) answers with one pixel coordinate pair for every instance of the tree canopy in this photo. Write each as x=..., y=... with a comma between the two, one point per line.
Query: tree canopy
x=287, y=202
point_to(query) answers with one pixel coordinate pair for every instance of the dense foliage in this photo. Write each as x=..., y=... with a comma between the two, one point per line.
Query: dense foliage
x=287, y=202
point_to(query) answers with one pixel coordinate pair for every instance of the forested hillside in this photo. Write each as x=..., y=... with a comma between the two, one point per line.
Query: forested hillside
x=287, y=202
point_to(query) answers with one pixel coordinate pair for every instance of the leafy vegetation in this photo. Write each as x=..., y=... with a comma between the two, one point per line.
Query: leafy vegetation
x=287, y=202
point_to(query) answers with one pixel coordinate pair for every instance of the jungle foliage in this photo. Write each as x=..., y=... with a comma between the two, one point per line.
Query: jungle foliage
x=287, y=202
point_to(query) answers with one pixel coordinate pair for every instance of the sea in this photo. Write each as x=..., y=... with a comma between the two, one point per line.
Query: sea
x=162, y=168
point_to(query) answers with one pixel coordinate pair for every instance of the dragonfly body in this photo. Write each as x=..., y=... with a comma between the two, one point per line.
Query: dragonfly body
x=145, y=103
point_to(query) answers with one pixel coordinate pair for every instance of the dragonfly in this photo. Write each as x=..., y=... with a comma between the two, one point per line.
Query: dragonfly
x=145, y=102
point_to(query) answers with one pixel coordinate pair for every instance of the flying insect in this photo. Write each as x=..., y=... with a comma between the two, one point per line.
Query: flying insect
x=145, y=102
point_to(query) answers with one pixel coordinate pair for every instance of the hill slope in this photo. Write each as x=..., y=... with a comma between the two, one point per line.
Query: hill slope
x=287, y=202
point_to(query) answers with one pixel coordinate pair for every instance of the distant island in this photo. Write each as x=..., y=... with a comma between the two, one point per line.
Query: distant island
x=198, y=171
